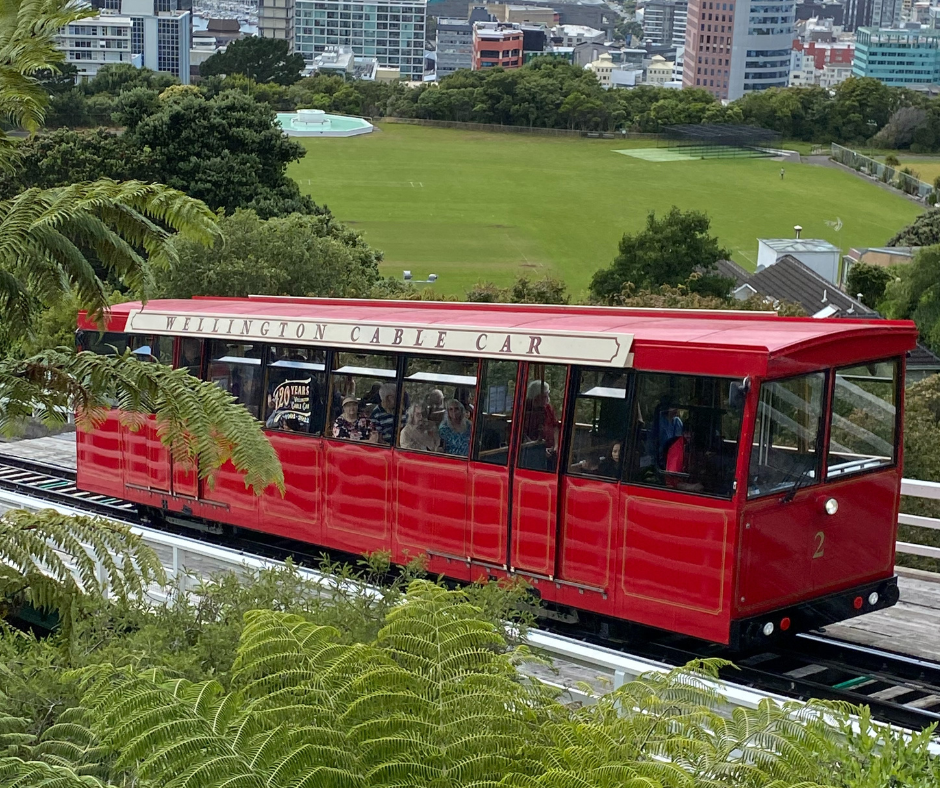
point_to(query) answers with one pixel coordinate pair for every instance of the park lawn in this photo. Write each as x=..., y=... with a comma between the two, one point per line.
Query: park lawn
x=474, y=206
x=926, y=169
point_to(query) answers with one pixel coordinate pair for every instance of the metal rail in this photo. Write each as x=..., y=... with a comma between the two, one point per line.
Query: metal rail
x=899, y=689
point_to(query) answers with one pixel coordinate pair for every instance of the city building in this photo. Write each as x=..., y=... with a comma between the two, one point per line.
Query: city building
x=161, y=32
x=872, y=13
x=496, y=44
x=276, y=19
x=603, y=68
x=825, y=65
x=812, y=9
x=659, y=71
x=731, y=52
x=573, y=35
x=454, y=41
x=664, y=21
x=97, y=41
x=523, y=14
x=391, y=31
x=899, y=58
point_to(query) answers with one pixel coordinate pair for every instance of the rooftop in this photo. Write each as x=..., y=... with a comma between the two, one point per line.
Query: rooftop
x=789, y=280
x=790, y=245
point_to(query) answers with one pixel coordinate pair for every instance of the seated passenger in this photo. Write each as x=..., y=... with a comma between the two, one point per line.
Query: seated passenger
x=455, y=430
x=610, y=466
x=383, y=414
x=419, y=433
x=436, y=406
x=351, y=426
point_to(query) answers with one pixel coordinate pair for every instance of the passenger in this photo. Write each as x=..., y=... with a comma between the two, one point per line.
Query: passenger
x=539, y=422
x=383, y=414
x=666, y=426
x=455, y=430
x=610, y=466
x=436, y=406
x=350, y=426
x=343, y=386
x=419, y=433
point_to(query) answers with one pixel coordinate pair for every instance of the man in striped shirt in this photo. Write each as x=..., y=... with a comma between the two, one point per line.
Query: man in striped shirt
x=383, y=414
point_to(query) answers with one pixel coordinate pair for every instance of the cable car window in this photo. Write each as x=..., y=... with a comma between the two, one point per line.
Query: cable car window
x=541, y=425
x=155, y=349
x=601, y=415
x=295, y=392
x=686, y=433
x=438, y=398
x=364, y=397
x=862, y=435
x=236, y=368
x=109, y=343
x=785, y=451
x=494, y=418
x=190, y=357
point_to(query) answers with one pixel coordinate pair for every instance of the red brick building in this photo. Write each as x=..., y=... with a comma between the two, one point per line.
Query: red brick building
x=496, y=44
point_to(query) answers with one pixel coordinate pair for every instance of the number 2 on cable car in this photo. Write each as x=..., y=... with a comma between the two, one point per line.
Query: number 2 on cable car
x=820, y=540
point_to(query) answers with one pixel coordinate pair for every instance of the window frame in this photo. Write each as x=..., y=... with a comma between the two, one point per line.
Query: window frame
x=627, y=463
x=898, y=417
x=822, y=434
x=332, y=355
x=313, y=431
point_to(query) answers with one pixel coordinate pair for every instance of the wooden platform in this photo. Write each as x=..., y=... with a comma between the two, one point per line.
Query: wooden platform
x=911, y=627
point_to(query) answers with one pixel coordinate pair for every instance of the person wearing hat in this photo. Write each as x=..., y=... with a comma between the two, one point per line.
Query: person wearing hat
x=349, y=425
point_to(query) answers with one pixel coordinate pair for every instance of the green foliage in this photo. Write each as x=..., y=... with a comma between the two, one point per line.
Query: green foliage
x=892, y=161
x=260, y=59
x=868, y=281
x=666, y=252
x=197, y=421
x=547, y=290
x=295, y=255
x=915, y=294
x=923, y=231
x=33, y=570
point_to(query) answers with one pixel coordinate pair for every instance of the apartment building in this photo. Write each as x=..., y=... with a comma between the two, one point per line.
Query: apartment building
x=899, y=58
x=824, y=64
x=391, y=31
x=733, y=48
x=664, y=22
x=497, y=44
x=97, y=41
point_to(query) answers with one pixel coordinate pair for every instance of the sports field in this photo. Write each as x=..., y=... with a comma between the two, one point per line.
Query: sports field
x=472, y=206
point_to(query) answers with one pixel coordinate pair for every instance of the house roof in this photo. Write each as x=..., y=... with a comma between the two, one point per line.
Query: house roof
x=921, y=357
x=789, y=280
x=732, y=270
x=789, y=245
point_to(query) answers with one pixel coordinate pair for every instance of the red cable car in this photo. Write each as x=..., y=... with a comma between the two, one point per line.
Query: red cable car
x=724, y=475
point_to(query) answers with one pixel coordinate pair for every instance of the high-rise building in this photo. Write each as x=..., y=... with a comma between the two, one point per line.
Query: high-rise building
x=161, y=32
x=899, y=58
x=96, y=41
x=733, y=48
x=276, y=19
x=454, y=42
x=391, y=31
x=664, y=22
x=872, y=13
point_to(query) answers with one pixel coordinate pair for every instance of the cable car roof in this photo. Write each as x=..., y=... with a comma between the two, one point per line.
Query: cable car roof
x=693, y=341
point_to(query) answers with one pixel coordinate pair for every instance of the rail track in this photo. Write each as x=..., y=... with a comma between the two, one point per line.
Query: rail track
x=898, y=688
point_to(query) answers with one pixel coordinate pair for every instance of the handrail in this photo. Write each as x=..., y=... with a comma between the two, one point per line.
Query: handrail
x=929, y=491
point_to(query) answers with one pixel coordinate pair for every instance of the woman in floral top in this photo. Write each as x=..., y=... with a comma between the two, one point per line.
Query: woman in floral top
x=351, y=426
x=455, y=429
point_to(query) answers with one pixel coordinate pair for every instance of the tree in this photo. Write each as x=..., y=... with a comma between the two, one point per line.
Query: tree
x=666, y=252
x=923, y=231
x=259, y=59
x=548, y=290
x=227, y=151
x=868, y=282
x=915, y=295
x=297, y=255
x=48, y=239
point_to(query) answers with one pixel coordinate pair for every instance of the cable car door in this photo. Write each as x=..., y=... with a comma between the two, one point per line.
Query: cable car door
x=536, y=475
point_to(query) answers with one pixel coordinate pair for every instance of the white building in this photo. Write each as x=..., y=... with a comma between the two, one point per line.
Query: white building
x=602, y=68
x=276, y=19
x=664, y=21
x=816, y=254
x=659, y=71
x=572, y=35
x=97, y=41
x=391, y=31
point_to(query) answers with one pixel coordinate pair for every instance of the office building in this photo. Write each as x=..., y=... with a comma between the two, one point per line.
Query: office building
x=899, y=58
x=659, y=71
x=97, y=41
x=496, y=44
x=823, y=64
x=664, y=22
x=391, y=31
x=454, y=42
x=276, y=19
x=733, y=48
x=574, y=35
x=872, y=13
x=161, y=32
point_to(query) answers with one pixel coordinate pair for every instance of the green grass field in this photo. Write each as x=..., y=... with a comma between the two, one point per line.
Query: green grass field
x=472, y=206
